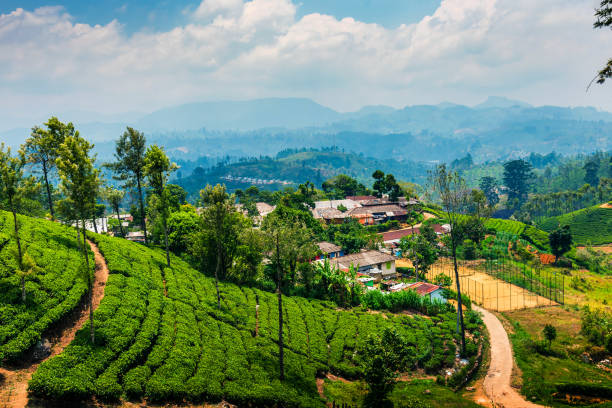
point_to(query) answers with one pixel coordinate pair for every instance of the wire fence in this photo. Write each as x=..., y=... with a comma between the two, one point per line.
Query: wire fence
x=503, y=284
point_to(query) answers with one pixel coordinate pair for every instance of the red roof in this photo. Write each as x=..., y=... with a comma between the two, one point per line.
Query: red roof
x=398, y=234
x=423, y=288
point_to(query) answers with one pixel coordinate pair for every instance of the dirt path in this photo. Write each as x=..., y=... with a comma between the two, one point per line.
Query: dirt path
x=14, y=388
x=497, y=382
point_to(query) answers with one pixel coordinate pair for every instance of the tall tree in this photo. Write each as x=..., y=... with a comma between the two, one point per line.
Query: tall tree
x=289, y=240
x=41, y=148
x=455, y=196
x=590, y=169
x=560, y=241
x=517, y=178
x=217, y=222
x=603, y=15
x=421, y=252
x=114, y=198
x=129, y=166
x=489, y=185
x=157, y=169
x=14, y=190
x=80, y=183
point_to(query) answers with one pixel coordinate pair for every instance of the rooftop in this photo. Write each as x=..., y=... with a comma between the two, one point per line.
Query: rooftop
x=423, y=288
x=328, y=247
x=363, y=258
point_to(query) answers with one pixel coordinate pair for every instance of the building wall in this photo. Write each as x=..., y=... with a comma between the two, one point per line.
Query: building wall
x=437, y=295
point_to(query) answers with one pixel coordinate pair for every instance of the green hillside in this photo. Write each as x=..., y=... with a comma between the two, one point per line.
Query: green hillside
x=591, y=225
x=301, y=166
x=163, y=338
x=536, y=236
x=51, y=293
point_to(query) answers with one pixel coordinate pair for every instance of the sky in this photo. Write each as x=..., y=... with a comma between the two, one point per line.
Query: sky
x=140, y=55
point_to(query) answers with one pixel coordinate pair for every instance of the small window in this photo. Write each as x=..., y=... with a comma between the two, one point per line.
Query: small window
x=389, y=265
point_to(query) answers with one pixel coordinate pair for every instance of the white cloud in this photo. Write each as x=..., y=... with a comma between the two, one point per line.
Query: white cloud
x=541, y=51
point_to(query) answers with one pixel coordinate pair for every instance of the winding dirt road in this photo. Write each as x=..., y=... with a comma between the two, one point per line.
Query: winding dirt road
x=497, y=382
x=14, y=388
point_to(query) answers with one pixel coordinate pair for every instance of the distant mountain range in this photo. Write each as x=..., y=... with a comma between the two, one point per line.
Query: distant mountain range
x=496, y=128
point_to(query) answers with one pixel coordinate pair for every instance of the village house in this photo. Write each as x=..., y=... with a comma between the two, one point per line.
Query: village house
x=329, y=250
x=375, y=264
x=376, y=214
x=135, y=236
x=433, y=292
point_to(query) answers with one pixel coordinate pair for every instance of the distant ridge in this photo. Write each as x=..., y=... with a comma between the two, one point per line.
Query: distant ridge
x=501, y=102
x=241, y=115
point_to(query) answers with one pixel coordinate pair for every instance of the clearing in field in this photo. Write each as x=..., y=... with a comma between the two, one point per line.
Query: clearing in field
x=480, y=283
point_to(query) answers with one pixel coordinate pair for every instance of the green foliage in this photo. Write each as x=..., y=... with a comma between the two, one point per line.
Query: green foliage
x=591, y=225
x=385, y=184
x=550, y=333
x=181, y=227
x=54, y=291
x=341, y=186
x=596, y=325
x=403, y=300
x=489, y=186
x=381, y=358
x=420, y=251
x=164, y=338
x=560, y=241
x=351, y=235
x=518, y=176
x=42, y=148
x=129, y=168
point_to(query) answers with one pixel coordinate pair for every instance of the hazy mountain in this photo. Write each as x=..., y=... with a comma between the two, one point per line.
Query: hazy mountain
x=501, y=102
x=290, y=113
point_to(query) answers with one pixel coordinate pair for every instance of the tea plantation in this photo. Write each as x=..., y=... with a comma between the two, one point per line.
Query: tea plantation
x=589, y=226
x=51, y=293
x=162, y=337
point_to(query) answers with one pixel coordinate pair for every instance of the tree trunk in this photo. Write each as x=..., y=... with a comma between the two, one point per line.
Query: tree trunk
x=143, y=223
x=217, y=275
x=166, y=240
x=49, y=198
x=281, y=356
x=93, y=220
x=19, y=253
x=119, y=219
x=90, y=287
x=461, y=328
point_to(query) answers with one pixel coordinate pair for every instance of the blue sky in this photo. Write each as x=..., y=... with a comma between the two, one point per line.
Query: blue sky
x=116, y=56
x=139, y=15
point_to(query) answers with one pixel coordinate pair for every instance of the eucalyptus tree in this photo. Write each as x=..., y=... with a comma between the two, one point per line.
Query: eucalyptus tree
x=455, y=197
x=15, y=189
x=129, y=166
x=220, y=224
x=289, y=240
x=80, y=183
x=157, y=169
x=41, y=148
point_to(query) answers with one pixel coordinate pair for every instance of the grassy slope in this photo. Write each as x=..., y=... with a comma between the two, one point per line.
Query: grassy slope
x=162, y=337
x=539, y=371
x=52, y=292
x=590, y=225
